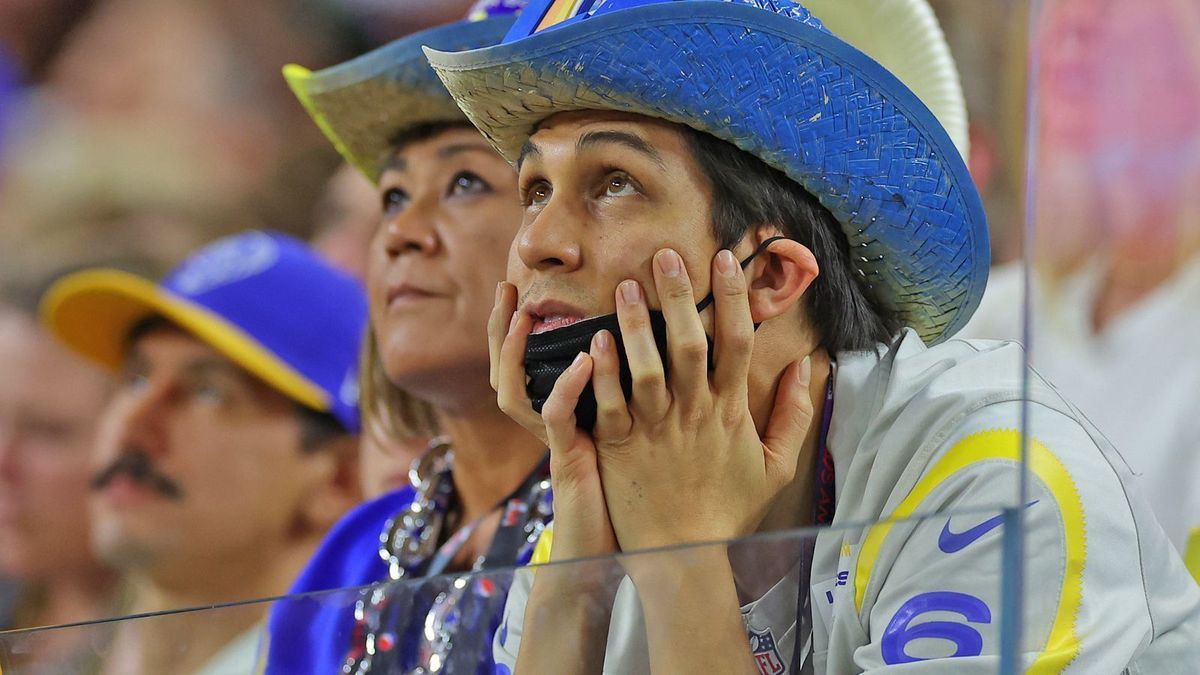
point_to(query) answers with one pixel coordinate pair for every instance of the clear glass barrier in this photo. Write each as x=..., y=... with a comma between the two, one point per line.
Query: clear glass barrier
x=915, y=601
x=1113, y=234
x=1085, y=144
x=993, y=52
x=1097, y=272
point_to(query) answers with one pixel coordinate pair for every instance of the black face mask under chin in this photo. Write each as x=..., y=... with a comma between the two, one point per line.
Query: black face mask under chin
x=549, y=354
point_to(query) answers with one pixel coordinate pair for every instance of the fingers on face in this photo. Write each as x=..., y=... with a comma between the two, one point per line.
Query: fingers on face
x=510, y=376
x=686, y=339
x=497, y=328
x=650, y=398
x=790, y=421
x=734, y=327
x=558, y=414
x=612, y=412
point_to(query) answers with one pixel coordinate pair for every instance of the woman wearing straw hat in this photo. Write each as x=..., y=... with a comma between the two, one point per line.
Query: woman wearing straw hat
x=658, y=143
x=448, y=214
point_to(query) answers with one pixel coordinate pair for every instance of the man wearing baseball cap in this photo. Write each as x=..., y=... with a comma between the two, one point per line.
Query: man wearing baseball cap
x=687, y=398
x=228, y=448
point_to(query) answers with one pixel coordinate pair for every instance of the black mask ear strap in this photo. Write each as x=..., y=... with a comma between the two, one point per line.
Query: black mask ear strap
x=708, y=299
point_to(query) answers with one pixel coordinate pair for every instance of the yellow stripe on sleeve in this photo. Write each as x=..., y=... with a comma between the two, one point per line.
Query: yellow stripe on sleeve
x=1191, y=556
x=1004, y=444
x=541, y=550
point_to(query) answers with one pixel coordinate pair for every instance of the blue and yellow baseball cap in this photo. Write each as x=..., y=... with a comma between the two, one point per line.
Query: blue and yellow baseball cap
x=264, y=300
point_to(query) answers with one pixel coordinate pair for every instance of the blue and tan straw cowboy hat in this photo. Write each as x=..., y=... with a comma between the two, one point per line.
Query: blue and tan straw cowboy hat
x=771, y=78
x=362, y=104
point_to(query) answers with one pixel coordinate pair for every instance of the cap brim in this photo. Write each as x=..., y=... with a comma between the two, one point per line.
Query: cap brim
x=92, y=313
x=362, y=104
x=837, y=122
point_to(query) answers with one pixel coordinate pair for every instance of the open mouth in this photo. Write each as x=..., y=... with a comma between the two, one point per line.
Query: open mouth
x=549, y=323
x=548, y=316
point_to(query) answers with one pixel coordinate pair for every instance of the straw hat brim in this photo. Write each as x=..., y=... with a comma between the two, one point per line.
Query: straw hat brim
x=790, y=93
x=361, y=105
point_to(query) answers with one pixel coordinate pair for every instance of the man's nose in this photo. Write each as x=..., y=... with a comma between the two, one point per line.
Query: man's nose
x=413, y=229
x=140, y=420
x=548, y=243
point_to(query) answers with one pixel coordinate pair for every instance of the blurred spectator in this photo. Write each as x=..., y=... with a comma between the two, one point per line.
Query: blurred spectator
x=990, y=46
x=346, y=218
x=10, y=95
x=31, y=33
x=49, y=405
x=142, y=218
x=226, y=451
x=1116, y=283
x=385, y=20
x=187, y=98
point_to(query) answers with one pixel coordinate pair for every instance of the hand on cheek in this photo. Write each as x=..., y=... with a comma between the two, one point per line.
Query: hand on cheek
x=508, y=332
x=682, y=461
x=581, y=525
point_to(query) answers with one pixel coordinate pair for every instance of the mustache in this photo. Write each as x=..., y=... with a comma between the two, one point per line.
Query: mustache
x=138, y=466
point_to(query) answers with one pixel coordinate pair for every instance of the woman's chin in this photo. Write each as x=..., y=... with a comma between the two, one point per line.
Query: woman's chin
x=432, y=376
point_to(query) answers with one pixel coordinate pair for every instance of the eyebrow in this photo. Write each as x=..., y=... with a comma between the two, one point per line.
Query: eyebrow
x=459, y=148
x=631, y=141
x=529, y=149
x=215, y=366
x=204, y=366
x=396, y=162
x=134, y=362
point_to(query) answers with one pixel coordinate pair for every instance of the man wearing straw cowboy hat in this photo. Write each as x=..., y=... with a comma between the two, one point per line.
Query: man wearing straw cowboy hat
x=659, y=143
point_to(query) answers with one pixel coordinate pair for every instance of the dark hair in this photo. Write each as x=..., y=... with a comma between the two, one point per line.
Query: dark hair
x=316, y=427
x=423, y=132
x=747, y=193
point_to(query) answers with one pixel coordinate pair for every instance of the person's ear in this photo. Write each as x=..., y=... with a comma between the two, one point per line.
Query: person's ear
x=336, y=487
x=779, y=276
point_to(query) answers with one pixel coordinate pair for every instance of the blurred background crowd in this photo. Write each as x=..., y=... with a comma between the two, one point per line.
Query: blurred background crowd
x=134, y=131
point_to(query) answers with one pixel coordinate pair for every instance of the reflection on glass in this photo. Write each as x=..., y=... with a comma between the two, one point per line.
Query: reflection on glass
x=1116, y=257
x=788, y=608
x=928, y=588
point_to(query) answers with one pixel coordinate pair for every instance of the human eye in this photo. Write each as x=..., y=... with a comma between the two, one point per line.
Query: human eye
x=619, y=184
x=537, y=194
x=133, y=380
x=467, y=183
x=394, y=199
x=209, y=391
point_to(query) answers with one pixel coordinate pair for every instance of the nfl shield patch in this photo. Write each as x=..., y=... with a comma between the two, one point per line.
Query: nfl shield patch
x=766, y=654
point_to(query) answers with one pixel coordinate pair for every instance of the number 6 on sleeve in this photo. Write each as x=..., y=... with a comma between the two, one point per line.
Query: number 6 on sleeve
x=967, y=640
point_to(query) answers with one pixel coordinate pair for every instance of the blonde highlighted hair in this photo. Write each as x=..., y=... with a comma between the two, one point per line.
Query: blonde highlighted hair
x=389, y=414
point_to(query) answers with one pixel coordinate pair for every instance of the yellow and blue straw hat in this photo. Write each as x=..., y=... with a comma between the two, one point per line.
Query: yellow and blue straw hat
x=363, y=104
x=772, y=78
x=263, y=300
